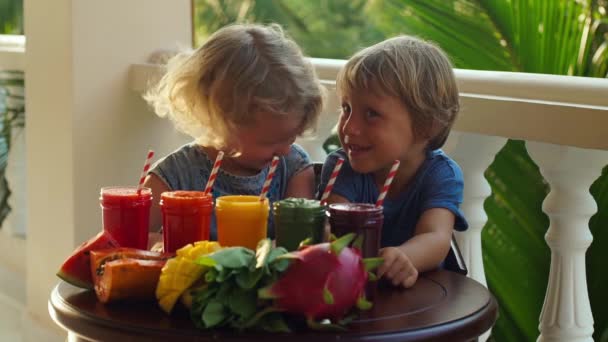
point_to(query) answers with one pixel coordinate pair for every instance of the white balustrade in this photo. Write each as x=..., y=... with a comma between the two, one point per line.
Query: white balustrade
x=474, y=153
x=566, y=314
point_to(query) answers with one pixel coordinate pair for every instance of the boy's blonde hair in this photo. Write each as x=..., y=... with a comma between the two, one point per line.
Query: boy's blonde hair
x=417, y=72
x=239, y=71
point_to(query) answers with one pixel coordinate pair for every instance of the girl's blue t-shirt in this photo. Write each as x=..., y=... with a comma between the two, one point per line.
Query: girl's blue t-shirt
x=188, y=168
x=438, y=183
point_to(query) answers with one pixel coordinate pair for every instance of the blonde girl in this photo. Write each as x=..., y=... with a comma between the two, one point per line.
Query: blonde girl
x=247, y=91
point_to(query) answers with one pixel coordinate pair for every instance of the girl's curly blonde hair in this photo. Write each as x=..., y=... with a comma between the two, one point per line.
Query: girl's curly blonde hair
x=239, y=71
x=415, y=71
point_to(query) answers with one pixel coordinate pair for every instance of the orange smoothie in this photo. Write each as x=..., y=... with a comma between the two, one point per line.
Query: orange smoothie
x=241, y=220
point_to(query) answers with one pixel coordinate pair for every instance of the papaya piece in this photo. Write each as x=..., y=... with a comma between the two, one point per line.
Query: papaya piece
x=126, y=273
x=128, y=279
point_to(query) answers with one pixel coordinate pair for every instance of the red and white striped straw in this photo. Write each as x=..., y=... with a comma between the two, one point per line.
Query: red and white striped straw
x=387, y=183
x=332, y=180
x=273, y=167
x=213, y=175
x=144, y=172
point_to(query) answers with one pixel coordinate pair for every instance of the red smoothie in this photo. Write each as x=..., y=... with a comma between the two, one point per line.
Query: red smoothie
x=126, y=215
x=361, y=218
x=186, y=218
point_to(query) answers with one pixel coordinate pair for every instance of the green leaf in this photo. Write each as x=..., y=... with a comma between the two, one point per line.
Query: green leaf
x=248, y=280
x=280, y=265
x=204, y=295
x=214, y=314
x=210, y=275
x=274, y=322
x=243, y=304
x=275, y=262
x=205, y=261
x=232, y=257
x=224, y=292
x=225, y=273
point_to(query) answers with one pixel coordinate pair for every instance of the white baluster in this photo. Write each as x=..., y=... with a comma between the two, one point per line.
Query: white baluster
x=566, y=313
x=474, y=153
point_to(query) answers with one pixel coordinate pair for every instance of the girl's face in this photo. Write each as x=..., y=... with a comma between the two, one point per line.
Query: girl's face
x=268, y=136
x=375, y=130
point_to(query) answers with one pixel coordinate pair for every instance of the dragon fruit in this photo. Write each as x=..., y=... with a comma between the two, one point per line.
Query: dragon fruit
x=323, y=281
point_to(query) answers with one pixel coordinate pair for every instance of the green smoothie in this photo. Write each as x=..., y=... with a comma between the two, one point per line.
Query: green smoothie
x=296, y=219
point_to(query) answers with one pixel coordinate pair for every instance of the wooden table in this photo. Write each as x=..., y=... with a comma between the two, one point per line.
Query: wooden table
x=442, y=306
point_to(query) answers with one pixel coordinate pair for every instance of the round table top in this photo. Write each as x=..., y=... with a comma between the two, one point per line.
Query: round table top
x=442, y=305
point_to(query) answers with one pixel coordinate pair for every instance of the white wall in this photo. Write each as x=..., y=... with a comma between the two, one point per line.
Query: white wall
x=85, y=129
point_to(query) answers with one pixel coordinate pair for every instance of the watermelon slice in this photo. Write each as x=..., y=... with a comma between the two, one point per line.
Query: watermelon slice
x=76, y=269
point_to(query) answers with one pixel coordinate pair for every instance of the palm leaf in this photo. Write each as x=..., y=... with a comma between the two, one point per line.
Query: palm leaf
x=462, y=28
x=596, y=258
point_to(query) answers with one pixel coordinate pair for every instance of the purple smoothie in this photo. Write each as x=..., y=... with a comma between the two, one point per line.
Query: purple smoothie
x=360, y=218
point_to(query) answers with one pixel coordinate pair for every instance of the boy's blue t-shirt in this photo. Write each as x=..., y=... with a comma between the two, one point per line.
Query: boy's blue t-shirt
x=438, y=183
x=188, y=168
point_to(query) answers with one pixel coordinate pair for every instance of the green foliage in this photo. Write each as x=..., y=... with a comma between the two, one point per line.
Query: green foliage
x=11, y=16
x=329, y=29
x=12, y=115
x=596, y=258
x=230, y=298
x=512, y=241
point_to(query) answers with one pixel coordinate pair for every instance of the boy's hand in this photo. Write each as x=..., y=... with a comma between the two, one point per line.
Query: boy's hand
x=397, y=267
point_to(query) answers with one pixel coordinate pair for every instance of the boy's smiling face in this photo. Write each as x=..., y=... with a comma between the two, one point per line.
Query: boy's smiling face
x=375, y=130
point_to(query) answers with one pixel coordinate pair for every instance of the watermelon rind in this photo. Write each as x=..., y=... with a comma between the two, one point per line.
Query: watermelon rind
x=76, y=269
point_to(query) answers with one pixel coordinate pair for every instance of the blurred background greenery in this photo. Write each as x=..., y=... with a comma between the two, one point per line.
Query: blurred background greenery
x=11, y=17
x=564, y=37
x=12, y=111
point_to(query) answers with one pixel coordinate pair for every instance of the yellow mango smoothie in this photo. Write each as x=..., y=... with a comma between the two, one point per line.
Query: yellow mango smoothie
x=241, y=220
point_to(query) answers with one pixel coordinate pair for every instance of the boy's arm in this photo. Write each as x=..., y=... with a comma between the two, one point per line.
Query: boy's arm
x=302, y=184
x=431, y=241
x=333, y=198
